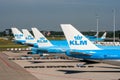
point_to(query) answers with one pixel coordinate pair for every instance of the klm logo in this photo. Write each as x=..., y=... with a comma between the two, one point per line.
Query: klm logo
x=42, y=40
x=78, y=41
x=19, y=36
x=29, y=37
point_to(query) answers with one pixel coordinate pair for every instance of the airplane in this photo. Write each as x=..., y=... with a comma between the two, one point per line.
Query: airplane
x=81, y=47
x=95, y=38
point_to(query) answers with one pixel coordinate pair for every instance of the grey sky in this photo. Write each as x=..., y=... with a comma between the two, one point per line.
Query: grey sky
x=49, y=14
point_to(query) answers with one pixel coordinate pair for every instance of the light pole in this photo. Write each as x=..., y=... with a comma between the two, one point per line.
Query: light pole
x=114, y=26
x=97, y=19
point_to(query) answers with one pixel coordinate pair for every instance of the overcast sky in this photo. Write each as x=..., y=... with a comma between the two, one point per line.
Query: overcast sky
x=49, y=14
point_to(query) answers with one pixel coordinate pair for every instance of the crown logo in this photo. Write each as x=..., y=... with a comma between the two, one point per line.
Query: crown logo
x=78, y=37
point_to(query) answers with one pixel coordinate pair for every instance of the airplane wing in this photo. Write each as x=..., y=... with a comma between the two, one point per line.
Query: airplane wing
x=80, y=54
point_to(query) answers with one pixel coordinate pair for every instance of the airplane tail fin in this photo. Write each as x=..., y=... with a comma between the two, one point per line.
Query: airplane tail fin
x=41, y=39
x=104, y=35
x=96, y=34
x=29, y=38
x=19, y=37
x=76, y=40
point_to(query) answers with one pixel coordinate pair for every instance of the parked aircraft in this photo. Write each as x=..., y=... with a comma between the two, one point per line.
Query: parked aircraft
x=26, y=38
x=95, y=38
x=81, y=47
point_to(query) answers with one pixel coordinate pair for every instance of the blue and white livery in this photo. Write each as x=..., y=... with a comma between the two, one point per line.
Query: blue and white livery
x=81, y=47
x=18, y=36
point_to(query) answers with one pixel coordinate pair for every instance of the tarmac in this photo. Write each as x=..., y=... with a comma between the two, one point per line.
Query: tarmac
x=12, y=71
x=53, y=69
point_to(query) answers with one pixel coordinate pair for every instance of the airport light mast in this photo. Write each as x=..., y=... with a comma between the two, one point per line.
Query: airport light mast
x=97, y=19
x=114, y=26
